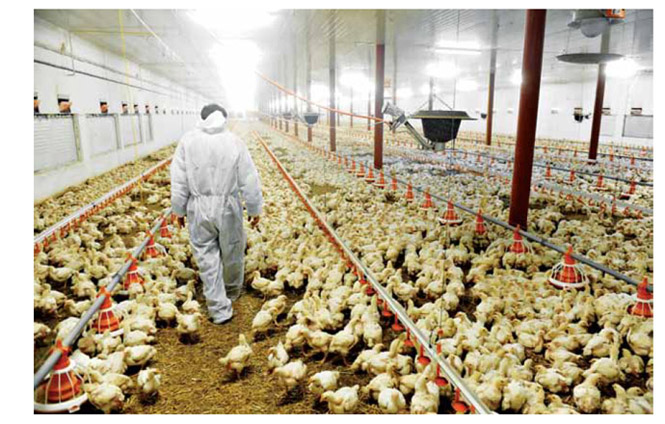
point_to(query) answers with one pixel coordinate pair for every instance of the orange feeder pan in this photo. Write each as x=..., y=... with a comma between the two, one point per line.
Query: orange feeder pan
x=361, y=171
x=457, y=404
x=480, y=224
x=644, y=301
x=164, y=230
x=631, y=191
x=439, y=380
x=393, y=184
x=133, y=276
x=63, y=391
x=106, y=319
x=408, y=342
x=568, y=274
x=385, y=312
x=519, y=245
x=397, y=326
x=381, y=183
x=409, y=193
x=370, y=176
x=153, y=250
x=422, y=359
x=427, y=203
x=450, y=217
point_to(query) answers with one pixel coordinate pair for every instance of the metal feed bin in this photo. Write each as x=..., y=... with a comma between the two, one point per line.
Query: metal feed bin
x=441, y=126
x=311, y=118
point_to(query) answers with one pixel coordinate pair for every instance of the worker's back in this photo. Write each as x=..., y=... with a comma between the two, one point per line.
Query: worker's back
x=211, y=155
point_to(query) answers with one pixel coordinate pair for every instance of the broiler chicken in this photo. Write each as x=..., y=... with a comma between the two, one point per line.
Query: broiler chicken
x=323, y=381
x=238, y=357
x=342, y=401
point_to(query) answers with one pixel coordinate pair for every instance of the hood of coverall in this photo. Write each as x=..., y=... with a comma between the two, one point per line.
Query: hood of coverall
x=213, y=124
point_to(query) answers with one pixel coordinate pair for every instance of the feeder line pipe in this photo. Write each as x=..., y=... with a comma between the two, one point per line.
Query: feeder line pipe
x=445, y=367
x=557, y=168
x=537, y=183
x=565, y=149
x=529, y=236
x=71, y=337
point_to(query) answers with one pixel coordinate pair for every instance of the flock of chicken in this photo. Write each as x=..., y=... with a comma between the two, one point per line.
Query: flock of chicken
x=71, y=272
x=524, y=346
x=520, y=344
x=53, y=209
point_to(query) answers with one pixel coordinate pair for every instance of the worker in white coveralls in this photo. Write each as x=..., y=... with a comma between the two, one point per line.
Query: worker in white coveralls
x=211, y=174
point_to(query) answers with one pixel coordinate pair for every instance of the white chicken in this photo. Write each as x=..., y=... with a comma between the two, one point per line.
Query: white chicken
x=342, y=401
x=291, y=374
x=149, y=381
x=238, y=357
x=323, y=381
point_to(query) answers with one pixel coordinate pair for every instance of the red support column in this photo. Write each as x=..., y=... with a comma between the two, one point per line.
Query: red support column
x=598, y=105
x=378, y=88
x=351, y=117
x=308, y=77
x=490, y=91
x=331, y=117
x=532, y=63
x=369, y=111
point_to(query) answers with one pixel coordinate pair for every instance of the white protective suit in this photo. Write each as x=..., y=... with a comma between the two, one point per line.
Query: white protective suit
x=211, y=170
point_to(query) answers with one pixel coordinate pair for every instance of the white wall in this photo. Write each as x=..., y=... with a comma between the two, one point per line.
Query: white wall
x=53, y=46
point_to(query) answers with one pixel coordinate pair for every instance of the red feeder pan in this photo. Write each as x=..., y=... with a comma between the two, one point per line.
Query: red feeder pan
x=439, y=380
x=568, y=274
x=352, y=168
x=644, y=301
x=480, y=223
x=153, y=250
x=385, y=312
x=382, y=181
x=369, y=291
x=370, y=175
x=397, y=326
x=133, y=276
x=393, y=184
x=408, y=342
x=106, y=319
x=427, y=203
x=457, y=404
x=548, y=172
x=164, y=231
x=422, y=359
x=361, y=171
x=450, y=216
x=409, y=193
x=519, y=245
x=63, y=390
x=630, y=192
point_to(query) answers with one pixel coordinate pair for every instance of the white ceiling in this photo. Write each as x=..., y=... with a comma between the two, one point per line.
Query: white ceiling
x=182, y=53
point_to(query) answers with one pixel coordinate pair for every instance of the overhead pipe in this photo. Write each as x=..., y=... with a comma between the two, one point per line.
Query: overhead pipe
x=73, y=335
x=532, y=64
